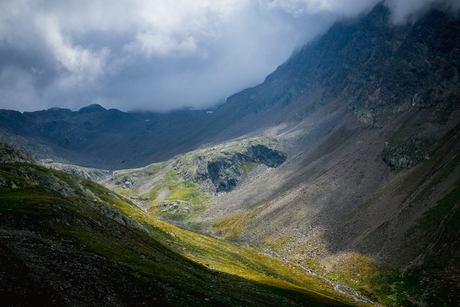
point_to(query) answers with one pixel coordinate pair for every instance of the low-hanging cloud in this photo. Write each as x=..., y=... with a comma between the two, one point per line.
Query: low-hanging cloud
x=410, y=10
x=156, y=55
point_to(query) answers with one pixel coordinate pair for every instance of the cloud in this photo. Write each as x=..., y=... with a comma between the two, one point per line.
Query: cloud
x=17, y=90
x=155, y=55
x=410, y=10
x=339, y=7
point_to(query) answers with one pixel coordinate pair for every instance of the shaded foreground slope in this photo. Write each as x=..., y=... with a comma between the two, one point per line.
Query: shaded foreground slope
x=66, y=241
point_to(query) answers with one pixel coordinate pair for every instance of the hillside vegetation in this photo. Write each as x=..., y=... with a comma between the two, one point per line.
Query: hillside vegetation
x=66, y=240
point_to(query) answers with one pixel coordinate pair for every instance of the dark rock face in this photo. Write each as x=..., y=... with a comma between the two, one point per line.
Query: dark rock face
x=265, y=155
x=407, y=155
x=225, y=173
x=376, y=66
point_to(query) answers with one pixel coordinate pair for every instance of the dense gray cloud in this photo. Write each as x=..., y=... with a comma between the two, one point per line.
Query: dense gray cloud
x=156, y=55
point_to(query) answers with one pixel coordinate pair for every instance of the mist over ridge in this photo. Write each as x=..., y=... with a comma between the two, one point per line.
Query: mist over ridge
x=149, y=56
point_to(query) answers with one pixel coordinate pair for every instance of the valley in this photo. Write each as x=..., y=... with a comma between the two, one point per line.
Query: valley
x=335, y=182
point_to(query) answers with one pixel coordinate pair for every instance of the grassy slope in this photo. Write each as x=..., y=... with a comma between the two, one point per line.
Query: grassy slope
x=74, y=239
x=172, y=180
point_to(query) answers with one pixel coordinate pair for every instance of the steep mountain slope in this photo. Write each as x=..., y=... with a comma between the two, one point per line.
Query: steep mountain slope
x=336, y=204
x=66, y=241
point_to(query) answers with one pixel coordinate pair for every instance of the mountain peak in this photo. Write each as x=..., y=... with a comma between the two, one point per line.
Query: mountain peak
x=93, y=108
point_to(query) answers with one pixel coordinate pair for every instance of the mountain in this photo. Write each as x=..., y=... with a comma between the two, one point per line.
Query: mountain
x=102, y=138
x=67, y=241
x=345, y=160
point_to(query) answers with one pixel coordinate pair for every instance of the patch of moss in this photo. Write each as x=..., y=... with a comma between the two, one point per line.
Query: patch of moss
x=419, y=287
x=362, y=273
x=331, y=276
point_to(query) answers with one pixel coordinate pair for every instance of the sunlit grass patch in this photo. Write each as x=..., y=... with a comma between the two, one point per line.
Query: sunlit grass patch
x=183, y=194
x=234, y=225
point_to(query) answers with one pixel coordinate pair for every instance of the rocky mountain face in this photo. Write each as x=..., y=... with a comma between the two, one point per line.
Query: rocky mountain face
x=376, y=66
x=10, y=154
x=345, y=160
x=225, y=172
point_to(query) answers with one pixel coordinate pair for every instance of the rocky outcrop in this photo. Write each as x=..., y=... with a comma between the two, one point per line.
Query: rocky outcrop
x=264, y=155
x=422, y=134
x=226, y=171
x=407, y=155
x=9, y=154
x=93, y=174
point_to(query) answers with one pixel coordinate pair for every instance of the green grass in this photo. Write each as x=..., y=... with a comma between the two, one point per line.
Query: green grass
x=332, y=276
x=183, y=194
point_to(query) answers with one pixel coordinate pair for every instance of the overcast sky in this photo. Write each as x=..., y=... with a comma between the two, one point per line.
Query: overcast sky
x=155, y=54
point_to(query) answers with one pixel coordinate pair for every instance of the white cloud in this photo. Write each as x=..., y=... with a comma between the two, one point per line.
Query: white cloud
x=81, y=64
x=150, y=44
x=340, y=7
x=409, y=10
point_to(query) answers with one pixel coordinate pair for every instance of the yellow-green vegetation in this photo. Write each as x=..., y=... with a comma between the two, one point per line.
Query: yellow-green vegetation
x=186, y=192
x=191, y=202
x=187, y=266
x=391, y=287
x=362, y=273
x=171, y=189
x=234, y=225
